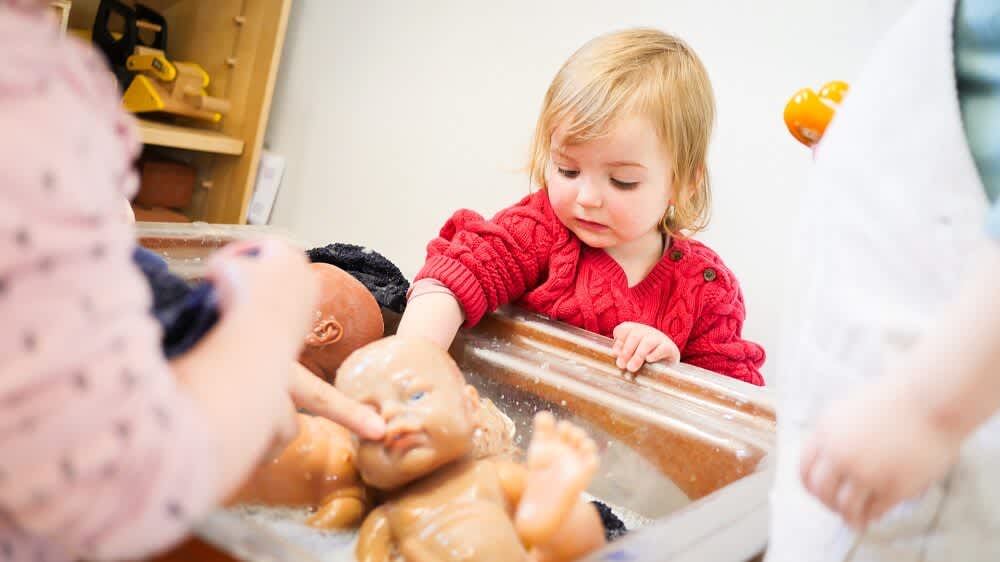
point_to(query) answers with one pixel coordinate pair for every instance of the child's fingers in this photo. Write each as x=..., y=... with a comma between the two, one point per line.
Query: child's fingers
x=877, y=507
x=628, y=348
x=852, y=499
x=810, y=452
x=620, y=334
x=322, y=399
x=285, y=430
x=824, y=482
x=289, y=426
x=247, y=266
x=621, y=331
x=228, y=269
x=665, y=351
x=646, y=345
x=236, y=248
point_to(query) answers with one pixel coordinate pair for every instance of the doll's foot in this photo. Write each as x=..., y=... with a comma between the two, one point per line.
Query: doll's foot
x=561, y=460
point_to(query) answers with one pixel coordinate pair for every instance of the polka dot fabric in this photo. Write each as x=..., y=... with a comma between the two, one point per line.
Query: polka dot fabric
x=102, y=456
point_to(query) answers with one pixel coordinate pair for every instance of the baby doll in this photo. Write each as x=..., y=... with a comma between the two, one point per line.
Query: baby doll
x=440, y=502
x=346, y=318
x=315, y=470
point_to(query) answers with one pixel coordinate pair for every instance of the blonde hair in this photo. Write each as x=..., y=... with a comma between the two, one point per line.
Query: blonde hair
x=653, y=74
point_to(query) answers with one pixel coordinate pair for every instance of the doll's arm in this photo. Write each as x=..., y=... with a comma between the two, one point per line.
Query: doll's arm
x=374, y=538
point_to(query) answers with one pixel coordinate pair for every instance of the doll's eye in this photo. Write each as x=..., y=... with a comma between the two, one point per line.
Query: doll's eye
x=417, y=395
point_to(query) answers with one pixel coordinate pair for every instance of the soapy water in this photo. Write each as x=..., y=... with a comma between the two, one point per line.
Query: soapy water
x=338, y=546
x=289, y=524
x=625, y=479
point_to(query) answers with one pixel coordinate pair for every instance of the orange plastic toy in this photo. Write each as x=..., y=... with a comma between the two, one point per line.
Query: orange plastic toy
x=808, y=113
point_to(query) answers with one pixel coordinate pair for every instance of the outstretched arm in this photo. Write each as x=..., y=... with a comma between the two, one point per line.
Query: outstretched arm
x=476, y=265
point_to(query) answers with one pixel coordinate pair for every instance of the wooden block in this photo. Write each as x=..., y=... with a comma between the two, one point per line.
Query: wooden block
x=166, y=184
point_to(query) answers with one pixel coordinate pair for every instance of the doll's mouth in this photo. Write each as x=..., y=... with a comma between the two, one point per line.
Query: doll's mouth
x=404, y=440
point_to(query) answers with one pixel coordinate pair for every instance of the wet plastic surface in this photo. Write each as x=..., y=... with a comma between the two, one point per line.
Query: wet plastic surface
x=187, y=246
x=668, y=436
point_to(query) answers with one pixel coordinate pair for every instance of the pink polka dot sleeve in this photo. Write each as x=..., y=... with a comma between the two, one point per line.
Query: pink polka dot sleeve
x=102, y=455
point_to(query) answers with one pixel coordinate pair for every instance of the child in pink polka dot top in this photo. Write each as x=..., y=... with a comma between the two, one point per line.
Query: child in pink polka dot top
x=107, y=451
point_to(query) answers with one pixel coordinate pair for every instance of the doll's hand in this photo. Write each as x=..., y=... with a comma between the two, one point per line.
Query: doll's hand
x=874, y=450
x=636, y=344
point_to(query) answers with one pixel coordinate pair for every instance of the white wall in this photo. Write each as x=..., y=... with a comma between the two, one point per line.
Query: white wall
x=393, y=114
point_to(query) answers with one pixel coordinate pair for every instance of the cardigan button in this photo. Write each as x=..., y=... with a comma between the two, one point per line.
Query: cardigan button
x=710, y=274
x=676, y=255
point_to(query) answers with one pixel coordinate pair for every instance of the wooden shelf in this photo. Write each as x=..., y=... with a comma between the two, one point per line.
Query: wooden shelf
x=161, y=5
x=173, y=136
x=238, y=43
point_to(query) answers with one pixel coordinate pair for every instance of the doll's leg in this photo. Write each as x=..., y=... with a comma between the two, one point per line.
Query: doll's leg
x=561, y=460
x=581, y=533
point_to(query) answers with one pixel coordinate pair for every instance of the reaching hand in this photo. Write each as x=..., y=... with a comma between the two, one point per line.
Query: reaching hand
x=636, y=344
x=266, y=277
x=323, y=399
x=874, y=450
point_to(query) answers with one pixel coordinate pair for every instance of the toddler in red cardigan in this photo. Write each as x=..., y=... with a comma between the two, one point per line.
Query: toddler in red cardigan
x=619, y=155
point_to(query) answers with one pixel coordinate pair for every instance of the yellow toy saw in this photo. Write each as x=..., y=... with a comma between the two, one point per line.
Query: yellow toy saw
x=171, y=87
x=151, y=82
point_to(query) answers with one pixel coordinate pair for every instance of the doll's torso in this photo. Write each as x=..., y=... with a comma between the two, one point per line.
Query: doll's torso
x=457, y=513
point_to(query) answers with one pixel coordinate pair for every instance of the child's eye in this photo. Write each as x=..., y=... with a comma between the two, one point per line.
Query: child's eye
x=569, y=173
x=624, y=184
x=417, y=395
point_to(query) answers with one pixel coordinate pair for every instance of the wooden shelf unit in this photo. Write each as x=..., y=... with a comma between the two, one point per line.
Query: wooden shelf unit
x=239, y=44
x=156, y=133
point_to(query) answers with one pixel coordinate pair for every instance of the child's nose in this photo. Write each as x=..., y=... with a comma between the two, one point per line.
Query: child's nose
x=588, y=195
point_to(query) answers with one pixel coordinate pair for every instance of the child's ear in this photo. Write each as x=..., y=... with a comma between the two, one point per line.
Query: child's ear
x=325, y=332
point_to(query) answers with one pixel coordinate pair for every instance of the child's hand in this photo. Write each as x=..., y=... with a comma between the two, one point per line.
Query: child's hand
x=636, y=344
x=266, y=293
x=323, y=399
x=871, y=452
x=268, y=283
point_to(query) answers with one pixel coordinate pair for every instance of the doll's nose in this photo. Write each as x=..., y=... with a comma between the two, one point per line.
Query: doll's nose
x=391, y=409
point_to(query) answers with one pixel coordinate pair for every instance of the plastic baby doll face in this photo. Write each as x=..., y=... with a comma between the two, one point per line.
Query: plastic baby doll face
x=614, y=190
x=346, y=318
x=430, y=412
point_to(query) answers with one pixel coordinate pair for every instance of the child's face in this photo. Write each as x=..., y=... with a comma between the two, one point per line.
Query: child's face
x=613, y=190
x=428, y=409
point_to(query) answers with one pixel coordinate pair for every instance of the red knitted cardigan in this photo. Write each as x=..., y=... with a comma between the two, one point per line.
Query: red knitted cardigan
x=525, y=255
